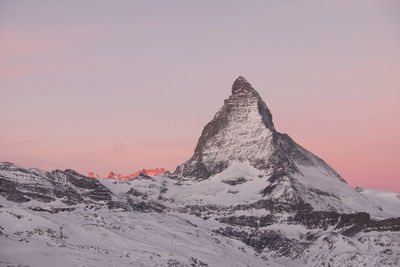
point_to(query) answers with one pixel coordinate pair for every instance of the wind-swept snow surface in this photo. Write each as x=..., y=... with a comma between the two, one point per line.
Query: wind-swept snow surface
x=113, y=238
x=389, y=202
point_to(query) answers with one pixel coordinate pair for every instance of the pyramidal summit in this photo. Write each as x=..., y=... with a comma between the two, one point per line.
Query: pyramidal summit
x=242, y=135
x=249, y=196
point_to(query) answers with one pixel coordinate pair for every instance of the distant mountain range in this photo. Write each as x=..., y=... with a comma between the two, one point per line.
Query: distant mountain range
x=112, y=175
x=249, y=196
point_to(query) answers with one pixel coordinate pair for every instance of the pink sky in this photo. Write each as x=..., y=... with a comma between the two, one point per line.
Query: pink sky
x=104, y=86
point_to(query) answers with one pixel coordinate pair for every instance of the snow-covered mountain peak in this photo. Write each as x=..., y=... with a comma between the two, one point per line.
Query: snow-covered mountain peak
x=243, y=131
x=249, y=196
x=244, y=94
x=241, y=88
x=242, y=135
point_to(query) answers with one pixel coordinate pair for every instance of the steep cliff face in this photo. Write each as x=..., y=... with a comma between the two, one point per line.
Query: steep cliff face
x=243, y=130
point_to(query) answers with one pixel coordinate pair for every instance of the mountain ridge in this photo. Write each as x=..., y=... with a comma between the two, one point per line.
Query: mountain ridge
x=249, y=196
x=246, y=107
x=112, y=175
x=45, y=218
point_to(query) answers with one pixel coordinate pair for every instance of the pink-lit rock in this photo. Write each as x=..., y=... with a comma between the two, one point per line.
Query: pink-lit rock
x=112, y=175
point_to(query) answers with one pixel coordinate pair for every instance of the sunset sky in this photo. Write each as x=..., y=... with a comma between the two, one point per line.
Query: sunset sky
x=126, y=85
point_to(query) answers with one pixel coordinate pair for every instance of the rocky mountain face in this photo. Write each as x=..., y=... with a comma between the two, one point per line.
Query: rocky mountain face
x=112, y=175
x=243, y=130
x=69, y=187
x=249, y=196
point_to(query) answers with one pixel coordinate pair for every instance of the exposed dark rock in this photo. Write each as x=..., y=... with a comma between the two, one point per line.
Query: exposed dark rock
x=143, y=206
x=52, y=210
x=10, y=192
x=69, y=186
x=134, y=192
x=250, y=221
x=266, y=239
x=324, y=219
x=391, y=224
x=237, y=181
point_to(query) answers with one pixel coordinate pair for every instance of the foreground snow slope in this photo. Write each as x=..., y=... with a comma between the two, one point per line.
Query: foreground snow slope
x=113, y=238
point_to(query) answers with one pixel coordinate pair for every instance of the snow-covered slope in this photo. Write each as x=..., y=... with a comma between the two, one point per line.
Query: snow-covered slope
x=112, y=238
x=324, y=192
x=249, y=196
x=22, y=185
x=389, y=202
x=242, y=132
x=160, y=221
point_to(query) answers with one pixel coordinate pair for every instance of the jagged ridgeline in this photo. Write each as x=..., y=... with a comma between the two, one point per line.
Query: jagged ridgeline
x=242, y=133
x=249, y=196
x=243, y=130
